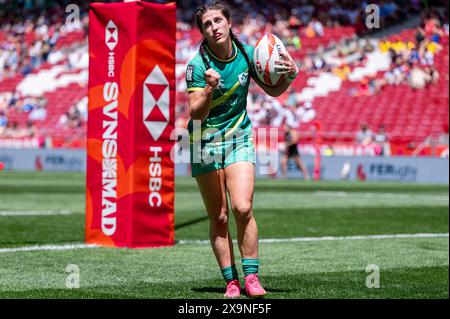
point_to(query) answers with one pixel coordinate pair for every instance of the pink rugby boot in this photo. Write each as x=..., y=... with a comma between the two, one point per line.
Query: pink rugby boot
x=233, y=289
x=253, y=287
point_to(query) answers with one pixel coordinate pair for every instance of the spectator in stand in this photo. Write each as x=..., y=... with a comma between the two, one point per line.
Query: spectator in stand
x=307, y=63
x=433, y=73
x=39, y=113
x=414, y=56
x=427, y=58
x=29, y=104
x=428, y=50
x=432, y=27
x=364, y=135
x=14, y=99
x=3, y=123
x=4, y=100
x=27, y=67
x=443, y=137
x=63, y=120
x=82, y=107
x=292, y=97
x=367, y=46
x=418, y=78
x=367, y=86
x=382, y=140
x=30, y=130
x=74, y=118
x=12, y=130
x=398, y=73
x=318, y=63
x=314, y=29
x=342, y=71
x=309, y=113
x=419, y=35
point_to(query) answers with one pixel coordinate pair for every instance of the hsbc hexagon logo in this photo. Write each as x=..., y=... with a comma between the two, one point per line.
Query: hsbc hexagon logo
x=112, y=35
x=156, y=102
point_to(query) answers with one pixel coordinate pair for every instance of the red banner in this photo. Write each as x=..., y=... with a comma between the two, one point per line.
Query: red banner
x=130, y=176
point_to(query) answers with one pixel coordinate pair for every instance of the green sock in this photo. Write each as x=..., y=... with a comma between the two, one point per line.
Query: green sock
x=229, y=273
x=250, y=266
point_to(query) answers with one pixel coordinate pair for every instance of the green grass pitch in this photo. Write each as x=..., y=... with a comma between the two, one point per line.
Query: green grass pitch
x=411, y=267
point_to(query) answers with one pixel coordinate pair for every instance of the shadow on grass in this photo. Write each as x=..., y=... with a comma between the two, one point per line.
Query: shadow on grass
x=191, y=222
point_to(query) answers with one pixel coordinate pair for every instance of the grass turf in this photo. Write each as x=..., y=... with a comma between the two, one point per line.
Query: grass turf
x=409, y=268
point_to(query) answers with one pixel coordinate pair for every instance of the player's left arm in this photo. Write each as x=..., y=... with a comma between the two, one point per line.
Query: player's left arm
x=286, y=66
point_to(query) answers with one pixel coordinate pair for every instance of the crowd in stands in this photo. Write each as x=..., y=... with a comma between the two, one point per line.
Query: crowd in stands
x=292, y=20
x=411, y=62
x=30, y=30
x=29, y=33
x=311, y=14
x=35, y=108
x=75, y=116
x=365, y=137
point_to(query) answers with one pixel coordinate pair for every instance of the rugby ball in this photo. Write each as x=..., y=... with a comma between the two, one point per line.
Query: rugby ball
x=267, y=51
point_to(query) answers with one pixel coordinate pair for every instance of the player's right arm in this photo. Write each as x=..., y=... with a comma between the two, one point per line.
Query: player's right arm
x=201, y=84
x=200, y=100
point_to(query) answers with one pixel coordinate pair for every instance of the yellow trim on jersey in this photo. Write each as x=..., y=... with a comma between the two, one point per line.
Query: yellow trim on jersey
x=228, y=60
x=226, y=96
x=228, y=132
x=191, y=136
x=195, y=89
x=235, y=126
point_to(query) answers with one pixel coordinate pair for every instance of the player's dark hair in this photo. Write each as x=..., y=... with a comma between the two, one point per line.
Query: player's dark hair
x=217, y=5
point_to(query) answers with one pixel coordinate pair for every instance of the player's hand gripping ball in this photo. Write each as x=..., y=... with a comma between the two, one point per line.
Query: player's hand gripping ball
x=272, y=62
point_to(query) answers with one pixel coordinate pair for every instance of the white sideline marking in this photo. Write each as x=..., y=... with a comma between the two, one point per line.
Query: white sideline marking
x=204, y=242
x=327, y=238
x=47, y=247
x=386, y=195
x=36, y=213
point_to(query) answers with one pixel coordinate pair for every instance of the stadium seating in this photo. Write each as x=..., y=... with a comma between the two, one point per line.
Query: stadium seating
x=408, y=115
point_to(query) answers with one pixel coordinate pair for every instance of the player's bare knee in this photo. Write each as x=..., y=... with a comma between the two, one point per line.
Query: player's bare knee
x=243, y=210
x=221, y=220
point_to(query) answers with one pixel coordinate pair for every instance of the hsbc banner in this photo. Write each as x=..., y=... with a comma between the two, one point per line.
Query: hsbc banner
x=130, y=176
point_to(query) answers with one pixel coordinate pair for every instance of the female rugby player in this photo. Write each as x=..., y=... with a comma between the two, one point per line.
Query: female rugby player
x=218, y=79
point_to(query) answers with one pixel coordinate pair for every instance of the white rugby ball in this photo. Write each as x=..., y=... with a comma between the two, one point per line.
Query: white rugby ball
x=267, y=51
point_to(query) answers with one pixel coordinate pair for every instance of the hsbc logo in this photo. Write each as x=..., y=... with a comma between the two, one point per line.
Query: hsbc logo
x=156, y=112
x=110, y=137
x=156, y=102
x=112, y=35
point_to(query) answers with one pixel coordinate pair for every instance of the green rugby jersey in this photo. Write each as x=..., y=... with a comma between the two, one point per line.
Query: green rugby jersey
x=228, y=107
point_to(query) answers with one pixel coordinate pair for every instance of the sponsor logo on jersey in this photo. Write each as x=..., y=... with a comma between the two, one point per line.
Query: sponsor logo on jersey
x=190, y=73
x=243, y=78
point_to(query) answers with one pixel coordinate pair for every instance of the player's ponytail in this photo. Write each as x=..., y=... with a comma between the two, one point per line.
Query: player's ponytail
x=241, y=48
x=204, y=55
